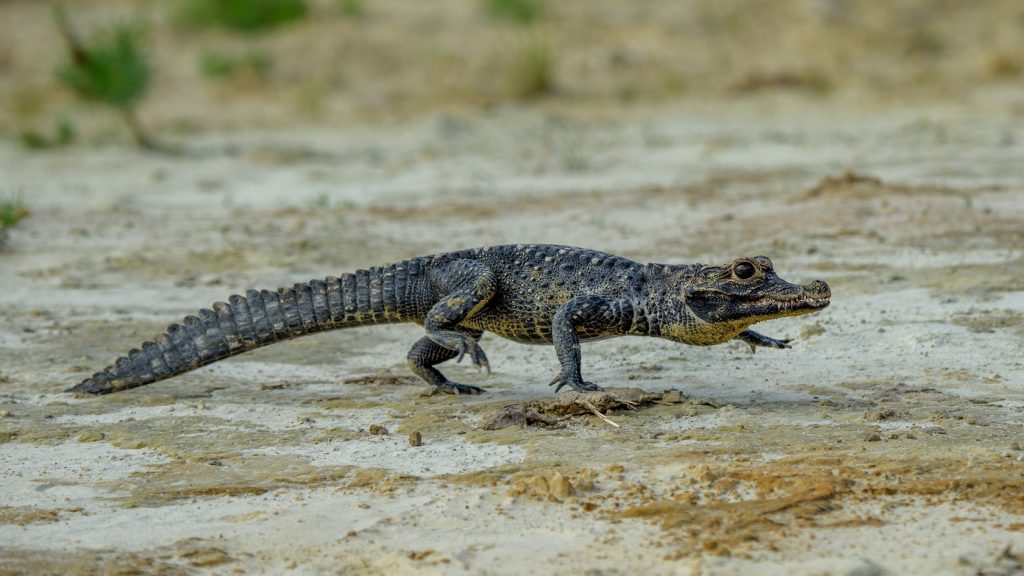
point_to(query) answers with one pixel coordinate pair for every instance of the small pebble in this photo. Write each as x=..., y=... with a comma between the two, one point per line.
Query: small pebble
x=5, y=413
x=873, y=437
x=378, y=430
x=415, y=439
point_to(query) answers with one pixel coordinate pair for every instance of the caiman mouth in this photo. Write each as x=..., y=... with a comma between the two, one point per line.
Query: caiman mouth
x=813, y=297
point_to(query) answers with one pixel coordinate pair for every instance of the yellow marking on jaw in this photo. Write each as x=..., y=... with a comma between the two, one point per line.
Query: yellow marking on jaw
x=701, y=333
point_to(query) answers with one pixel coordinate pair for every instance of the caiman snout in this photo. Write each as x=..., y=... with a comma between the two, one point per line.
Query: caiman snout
x=817, y=294
x=820, y=289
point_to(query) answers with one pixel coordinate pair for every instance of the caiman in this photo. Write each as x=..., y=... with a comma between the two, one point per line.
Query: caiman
x=534, y=294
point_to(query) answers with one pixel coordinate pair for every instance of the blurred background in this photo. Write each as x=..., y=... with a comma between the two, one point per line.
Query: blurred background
x=223, y=64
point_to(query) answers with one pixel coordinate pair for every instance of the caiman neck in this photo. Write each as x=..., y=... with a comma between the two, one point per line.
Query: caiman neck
x=662, y=305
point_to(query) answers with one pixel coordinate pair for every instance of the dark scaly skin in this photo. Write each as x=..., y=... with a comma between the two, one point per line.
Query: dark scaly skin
x=534, y=294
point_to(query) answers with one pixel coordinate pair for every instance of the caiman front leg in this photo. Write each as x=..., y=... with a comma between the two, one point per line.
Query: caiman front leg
x=753, y=339
x=589, y=317
x=467, y=285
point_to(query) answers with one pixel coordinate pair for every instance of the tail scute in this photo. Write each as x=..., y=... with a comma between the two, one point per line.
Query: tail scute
x=238, y=307
x=318, y=295
x=304, y=303
x=290, y=312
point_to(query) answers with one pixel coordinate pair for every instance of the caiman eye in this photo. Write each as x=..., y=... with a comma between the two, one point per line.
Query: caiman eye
x=744, y=270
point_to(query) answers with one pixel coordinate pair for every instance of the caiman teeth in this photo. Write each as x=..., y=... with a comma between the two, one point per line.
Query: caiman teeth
x=803, y=302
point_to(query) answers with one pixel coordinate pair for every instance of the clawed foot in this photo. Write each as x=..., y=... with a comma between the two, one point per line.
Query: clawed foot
x=574, y=382
x=464, y=344
x=449, y=387
x=476, y=354
x=754, y=339
x=770, y=343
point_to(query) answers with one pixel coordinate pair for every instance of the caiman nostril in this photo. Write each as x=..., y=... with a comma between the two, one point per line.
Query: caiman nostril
x=822, y=288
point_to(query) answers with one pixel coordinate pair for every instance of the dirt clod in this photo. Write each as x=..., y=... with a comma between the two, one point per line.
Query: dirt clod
x=877, y=415
x=560, y=487
x=554, y=487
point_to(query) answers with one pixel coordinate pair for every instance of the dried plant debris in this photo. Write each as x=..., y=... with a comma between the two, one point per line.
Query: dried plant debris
x=854, y=185
x=732, y=508
x=23, y=515
x=846, y=181
x=383, y=379
x=551, y=413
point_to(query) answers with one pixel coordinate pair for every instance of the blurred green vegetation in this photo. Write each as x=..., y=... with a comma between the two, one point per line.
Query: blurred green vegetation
x=352, y=8
x=64, y=135
x=533, y=75
x=213, y=64
x=12, y=210
x=524, y=12
x=240, y=15
x=109, y=69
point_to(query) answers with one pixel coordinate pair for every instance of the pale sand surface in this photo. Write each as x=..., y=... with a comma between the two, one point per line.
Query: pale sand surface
x=263, y=463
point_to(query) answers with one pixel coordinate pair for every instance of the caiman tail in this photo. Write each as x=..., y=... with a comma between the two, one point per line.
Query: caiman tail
x=374, y=296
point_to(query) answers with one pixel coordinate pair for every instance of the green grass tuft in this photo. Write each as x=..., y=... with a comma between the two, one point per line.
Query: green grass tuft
x=12, y=210
x=219, y=65
x=534, y=73
x=111, y=69
x=240, y=15
x=64, y=135
x=354, y=9
x=524, y=12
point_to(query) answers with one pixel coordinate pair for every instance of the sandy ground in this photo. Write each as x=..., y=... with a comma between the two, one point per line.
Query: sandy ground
x=889, y=440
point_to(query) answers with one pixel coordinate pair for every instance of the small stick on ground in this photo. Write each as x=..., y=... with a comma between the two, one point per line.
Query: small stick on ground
x=597, y=413
x=629, y=404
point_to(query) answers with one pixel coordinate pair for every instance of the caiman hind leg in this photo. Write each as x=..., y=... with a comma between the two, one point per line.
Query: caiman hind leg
x=466, y=286
x=425, y=354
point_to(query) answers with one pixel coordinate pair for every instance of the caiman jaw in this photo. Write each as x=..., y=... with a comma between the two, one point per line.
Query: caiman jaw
x=813, y=297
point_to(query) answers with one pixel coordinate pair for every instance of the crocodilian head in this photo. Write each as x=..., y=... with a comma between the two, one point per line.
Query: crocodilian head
x=724, y=300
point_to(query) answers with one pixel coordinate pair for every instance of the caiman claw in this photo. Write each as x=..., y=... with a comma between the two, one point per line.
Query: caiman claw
x=574, y=382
